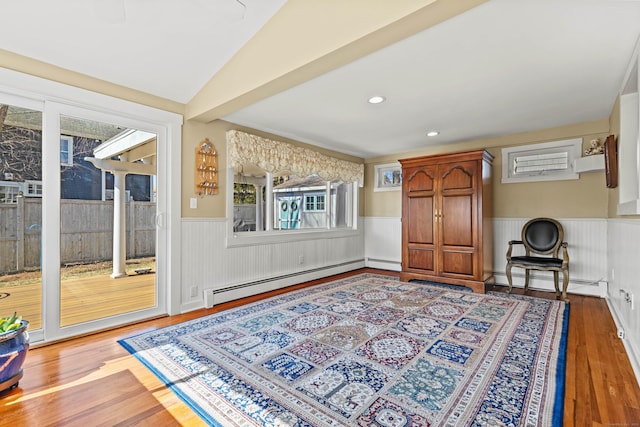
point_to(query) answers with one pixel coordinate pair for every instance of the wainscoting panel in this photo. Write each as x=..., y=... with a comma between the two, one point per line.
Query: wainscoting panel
x=587, y=239
x=228, y=273
x=624, y=269
x=383, y=242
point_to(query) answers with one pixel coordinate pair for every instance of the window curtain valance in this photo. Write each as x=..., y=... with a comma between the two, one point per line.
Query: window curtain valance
x=279, y=158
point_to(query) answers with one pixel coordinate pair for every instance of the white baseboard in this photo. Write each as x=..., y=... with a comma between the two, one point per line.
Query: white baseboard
x=634, y=357
x=596, y=288
x=384, y=264
x=241, y=290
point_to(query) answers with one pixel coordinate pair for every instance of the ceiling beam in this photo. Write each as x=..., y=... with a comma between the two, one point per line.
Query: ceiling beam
x=304, y=40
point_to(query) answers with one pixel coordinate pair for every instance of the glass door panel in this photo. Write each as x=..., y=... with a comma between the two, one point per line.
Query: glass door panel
x=107, y=220
x=21, y=213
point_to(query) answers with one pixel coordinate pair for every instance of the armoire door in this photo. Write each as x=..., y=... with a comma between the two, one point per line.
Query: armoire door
x=419, y=254
x=457, y=219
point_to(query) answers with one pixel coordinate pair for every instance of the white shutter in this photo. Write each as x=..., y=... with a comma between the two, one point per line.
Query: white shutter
x=541, y=162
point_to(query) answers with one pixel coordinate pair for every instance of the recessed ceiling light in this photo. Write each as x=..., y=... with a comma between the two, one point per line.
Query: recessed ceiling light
x=433, y=133
x=376, y=99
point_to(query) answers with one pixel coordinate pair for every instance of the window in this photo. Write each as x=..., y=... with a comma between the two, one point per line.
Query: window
x=314, y=202
x=296, y=190
x=66, y=151
x=34, y=189
x=293, y=203
x=9, y=192
x=388, y=177
x=549, y=161
x=248, y=205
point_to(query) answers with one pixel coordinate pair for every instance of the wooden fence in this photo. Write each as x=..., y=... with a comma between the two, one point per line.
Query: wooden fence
x=86, y=232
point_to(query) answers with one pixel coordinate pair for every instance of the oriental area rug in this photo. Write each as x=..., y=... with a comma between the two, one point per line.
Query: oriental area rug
x=369, y=350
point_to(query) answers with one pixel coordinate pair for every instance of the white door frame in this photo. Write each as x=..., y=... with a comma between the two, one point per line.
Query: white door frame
x=59, y=99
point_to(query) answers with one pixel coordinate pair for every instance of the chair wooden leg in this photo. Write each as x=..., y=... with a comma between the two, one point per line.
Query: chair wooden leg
x=509, y=278
x=526, y=280
x=555, y=282
x=565, y=284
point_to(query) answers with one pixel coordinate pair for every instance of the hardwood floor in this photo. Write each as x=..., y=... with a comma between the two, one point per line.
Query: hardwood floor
x=92, y=380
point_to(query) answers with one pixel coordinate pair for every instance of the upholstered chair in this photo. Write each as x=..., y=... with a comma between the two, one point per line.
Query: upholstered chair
x=543, y=240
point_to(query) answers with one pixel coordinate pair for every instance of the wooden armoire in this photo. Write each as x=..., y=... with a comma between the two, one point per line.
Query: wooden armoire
x=447, y=219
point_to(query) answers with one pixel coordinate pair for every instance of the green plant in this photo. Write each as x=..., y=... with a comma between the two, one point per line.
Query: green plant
x=10, y=323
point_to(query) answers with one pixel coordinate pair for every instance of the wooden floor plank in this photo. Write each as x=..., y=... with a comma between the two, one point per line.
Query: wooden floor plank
x=92, y=378
x=83, y=298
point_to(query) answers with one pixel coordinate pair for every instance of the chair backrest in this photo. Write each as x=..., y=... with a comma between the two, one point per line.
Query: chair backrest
x=543, y=236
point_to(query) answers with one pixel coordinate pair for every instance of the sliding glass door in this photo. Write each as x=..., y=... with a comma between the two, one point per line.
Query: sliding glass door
x=89, y=208
x=100, y=224
x=107, y=220
x=21, y=209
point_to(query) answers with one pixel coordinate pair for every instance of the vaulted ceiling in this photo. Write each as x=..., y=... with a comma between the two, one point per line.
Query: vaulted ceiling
x=493, y=68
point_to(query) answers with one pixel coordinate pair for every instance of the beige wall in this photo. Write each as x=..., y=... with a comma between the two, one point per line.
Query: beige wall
x=193, y=133
x=214, y=206
x=586, y=197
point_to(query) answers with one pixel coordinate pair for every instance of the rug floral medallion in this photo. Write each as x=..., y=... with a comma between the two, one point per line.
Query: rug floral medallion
x=369, y=350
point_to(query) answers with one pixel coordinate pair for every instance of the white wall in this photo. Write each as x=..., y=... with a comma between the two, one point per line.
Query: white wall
x=623, y=255
x=235, y=272
x=383, y=242
x=587, y=240
x=587, y=251
x=208, y=264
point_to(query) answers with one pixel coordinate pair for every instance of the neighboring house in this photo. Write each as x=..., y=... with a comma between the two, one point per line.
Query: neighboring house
x=298, y=203
x=21, y=169
x=20, y=163
x=302, y=203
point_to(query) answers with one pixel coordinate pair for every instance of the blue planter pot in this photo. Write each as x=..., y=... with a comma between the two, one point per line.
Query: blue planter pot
x=13, y=351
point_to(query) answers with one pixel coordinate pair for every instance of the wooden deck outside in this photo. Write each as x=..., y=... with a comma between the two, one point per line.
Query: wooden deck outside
x=83, y=298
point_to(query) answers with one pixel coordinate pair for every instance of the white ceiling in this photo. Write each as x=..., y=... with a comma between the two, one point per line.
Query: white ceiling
x=168, y=48
x=504, y=67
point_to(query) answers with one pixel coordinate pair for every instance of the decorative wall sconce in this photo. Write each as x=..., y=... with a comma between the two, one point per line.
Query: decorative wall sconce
x=206, y=169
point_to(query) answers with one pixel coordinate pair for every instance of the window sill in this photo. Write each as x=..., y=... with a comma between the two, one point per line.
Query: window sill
x=253, y=238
